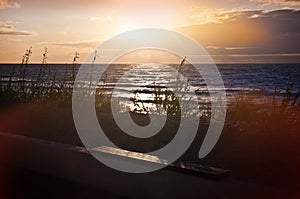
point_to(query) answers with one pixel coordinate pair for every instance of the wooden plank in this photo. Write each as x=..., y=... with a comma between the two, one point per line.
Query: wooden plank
x=186, y=167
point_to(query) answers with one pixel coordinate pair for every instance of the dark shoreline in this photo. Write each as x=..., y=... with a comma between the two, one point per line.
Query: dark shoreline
x=259, y=153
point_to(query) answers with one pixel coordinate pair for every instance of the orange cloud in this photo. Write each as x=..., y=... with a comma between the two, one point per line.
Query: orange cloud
x=7, y=29
x=249, y=33
x=227, y=34
x=8, y=4
x=280, y=2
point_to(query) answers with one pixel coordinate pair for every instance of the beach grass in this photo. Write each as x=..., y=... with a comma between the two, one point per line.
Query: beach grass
x=259, y=142
x=45, y=86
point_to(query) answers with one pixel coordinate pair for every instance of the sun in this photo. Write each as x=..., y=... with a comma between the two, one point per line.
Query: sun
x=127, y=26
x=157, y=21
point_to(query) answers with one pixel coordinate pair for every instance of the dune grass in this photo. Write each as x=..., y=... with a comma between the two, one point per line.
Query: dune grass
x=44, y=86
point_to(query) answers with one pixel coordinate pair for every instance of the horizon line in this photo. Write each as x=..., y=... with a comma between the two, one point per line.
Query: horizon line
x=52, y=63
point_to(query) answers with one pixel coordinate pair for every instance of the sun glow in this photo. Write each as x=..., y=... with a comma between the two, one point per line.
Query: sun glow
x=158, y=21
x=143, y=18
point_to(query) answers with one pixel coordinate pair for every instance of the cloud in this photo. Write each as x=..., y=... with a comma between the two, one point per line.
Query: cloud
x=229, y=29
x=15, y=33
x=5, y=26
x=203, y=15
x=8, y=4
x=7, y=29
x=278, y=2
x=77, y=44
x=250, y=32
x=220, y=50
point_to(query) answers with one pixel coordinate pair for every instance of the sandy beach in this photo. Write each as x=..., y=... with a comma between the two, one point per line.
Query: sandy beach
x=264, y=155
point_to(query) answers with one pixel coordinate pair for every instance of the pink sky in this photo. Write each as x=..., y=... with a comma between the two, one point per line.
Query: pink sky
x=230, y=30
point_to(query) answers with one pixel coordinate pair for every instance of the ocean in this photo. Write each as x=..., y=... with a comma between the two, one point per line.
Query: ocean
x=246, y=78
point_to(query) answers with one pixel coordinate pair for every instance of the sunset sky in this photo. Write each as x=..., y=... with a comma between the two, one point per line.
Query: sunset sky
x=244, y=31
